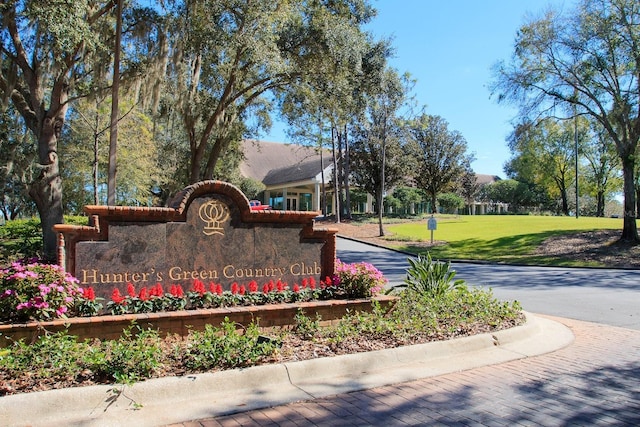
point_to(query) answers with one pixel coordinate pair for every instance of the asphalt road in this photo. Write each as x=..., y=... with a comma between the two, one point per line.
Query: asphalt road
x=606, y=296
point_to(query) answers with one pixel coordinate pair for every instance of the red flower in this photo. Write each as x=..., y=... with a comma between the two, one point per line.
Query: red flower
x=198, y=286
x=296, y=288
x=143, y=294
x=281, y=286
x=234, y=288
x=219, y=289
x=265, y=288
x=89, y=294
x=312, y=281
x=131, y=290
x=117, y=297
x=243, y=290
x=156, y=290
x=253, y=286
x=177, y=291
x=304, y=283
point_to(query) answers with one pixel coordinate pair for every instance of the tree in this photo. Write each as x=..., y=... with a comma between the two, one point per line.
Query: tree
x=379, y=158
x=601, y=172
x=408, y=197
x=544, y=154
x=304, y=110
x=518, y=195
x=42, y=62
x=84, y=163
x=586, y=62
x=52, y=54
x=16, y=157
x=441, y=155
x=450, y=202
x=229, y=55
x=469, y=188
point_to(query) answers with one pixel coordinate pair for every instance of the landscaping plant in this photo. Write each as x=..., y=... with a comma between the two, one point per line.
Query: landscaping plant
x=34, y=290
x=429, y=277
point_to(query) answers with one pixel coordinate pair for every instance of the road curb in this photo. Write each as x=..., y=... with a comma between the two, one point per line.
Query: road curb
x=177, y=399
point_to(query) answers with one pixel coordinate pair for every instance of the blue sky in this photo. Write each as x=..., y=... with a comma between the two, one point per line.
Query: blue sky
x=449, y=47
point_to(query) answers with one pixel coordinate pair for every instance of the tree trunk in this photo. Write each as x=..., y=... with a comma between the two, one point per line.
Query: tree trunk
x=600, y=202
x=46, y=190
x=336, y=187
x=347, y=172
x=380, y=203
x=565, y=202
x=113, y=128
x=629, y=227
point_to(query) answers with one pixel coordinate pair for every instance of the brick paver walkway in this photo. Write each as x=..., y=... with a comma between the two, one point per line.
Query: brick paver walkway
x=593, y=382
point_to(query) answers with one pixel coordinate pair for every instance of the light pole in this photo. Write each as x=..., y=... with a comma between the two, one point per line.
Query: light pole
x=575, y=137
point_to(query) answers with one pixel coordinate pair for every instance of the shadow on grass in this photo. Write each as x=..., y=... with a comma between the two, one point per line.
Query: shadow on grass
x=517, y=249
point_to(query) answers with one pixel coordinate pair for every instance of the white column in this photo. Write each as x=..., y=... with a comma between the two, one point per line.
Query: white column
x=316, y=197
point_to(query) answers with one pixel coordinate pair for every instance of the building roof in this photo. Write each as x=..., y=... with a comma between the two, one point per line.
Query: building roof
x=275, y=163
x=483, y=179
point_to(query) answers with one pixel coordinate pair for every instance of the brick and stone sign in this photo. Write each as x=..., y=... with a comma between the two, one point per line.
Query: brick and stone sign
x=208, y=233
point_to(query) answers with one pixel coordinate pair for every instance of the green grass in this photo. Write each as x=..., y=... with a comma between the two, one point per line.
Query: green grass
x=495, y=238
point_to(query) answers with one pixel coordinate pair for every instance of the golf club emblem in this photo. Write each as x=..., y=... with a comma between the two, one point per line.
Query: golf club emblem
x=214, y=213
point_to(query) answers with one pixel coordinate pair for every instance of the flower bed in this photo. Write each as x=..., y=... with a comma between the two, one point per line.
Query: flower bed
x=37, y=298
x=180, y=322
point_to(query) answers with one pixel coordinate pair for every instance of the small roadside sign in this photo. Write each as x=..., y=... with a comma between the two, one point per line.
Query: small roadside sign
x=432, y=224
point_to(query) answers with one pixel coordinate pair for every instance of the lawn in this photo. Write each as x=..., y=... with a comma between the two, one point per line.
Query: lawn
x=503, y=238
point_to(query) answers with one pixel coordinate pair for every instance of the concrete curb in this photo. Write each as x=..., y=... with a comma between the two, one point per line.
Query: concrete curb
x=177, y=399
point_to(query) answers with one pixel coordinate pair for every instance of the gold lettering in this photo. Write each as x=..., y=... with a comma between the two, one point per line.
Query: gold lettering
x=228, y=271
x=295, y=269
x=117, y=278
x=89, y=276
x=174, y=273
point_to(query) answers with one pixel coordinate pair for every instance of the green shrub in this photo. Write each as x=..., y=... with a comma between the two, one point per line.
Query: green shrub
x=429, y=277
x=225, y=347
x=304, y=326
x=459, y=312
x=54, y=356
x=136, y=355
x=22, y=238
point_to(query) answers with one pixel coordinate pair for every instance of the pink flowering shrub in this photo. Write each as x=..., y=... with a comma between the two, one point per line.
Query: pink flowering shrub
x=32, y=290
x=359, y=280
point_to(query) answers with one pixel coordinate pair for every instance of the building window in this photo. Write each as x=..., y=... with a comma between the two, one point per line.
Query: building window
x=276, y=201
x=306, y=201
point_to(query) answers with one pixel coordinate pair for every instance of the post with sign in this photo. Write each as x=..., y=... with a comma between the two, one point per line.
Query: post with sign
x=432, y=224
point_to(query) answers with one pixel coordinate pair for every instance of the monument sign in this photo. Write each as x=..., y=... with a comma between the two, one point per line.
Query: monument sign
x=208, y=233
